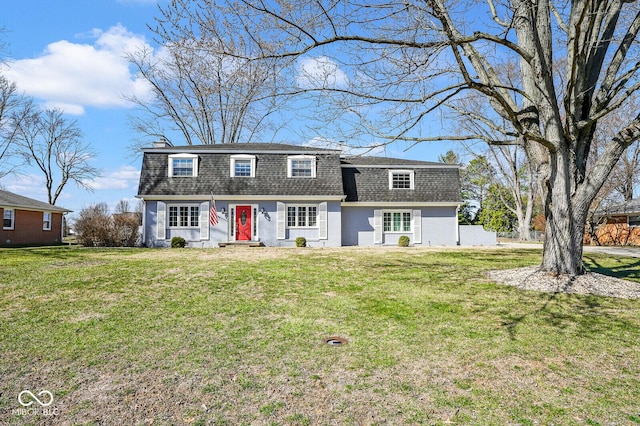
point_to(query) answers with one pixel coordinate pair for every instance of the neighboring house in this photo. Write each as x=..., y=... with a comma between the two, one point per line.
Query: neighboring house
x=29, y=222
x=618, y=225
x=273, y=193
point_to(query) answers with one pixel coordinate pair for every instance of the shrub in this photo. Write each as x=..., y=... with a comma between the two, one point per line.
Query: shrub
x=178, y=242
x=403, y=241
x=95, y=227
x=301, y=242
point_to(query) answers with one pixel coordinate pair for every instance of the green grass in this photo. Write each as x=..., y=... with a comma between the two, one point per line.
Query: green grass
x=236, y=337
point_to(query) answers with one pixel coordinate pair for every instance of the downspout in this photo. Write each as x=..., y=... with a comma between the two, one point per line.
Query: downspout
x=457, y=225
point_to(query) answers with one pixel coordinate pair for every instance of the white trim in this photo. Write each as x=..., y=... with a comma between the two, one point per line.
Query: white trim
x=323, y=233
x=50, y=220
x=196, y=151
x=296, y=206
x=417, y=226
x=377, y=227
x=13, y=219
x=399, y=204
x=161, y=221
x=401, y=211
x=387, y=166
x=204, y=221
x=412, y=180
x=281, y=219
x=248, y=198
x=255, y=223
x=189, y=207
x=182, y=156
x=304, y=157
x=232, y=164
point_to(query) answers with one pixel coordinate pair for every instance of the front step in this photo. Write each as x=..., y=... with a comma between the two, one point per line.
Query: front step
x=242, y=244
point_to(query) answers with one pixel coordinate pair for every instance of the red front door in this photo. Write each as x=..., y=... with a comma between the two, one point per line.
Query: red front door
x=243, y=223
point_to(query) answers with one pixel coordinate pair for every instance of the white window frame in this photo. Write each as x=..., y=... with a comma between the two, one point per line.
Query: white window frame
x=12, y=218
x=403, y=224
x=242, y=157
x=190, y=216
x=307, y=216
x=292, y=158
x=46, y=221
x=194, y=164
x=411, y=174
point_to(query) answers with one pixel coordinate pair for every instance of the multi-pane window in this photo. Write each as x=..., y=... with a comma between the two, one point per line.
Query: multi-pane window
x=243, y=168
x=183, y=165
x=184, y=216
x=397, y=221
x=7, y=222
x=243, y=165
x=302, y=216
x=46, y=221
x=302, y=166
x=401, y=179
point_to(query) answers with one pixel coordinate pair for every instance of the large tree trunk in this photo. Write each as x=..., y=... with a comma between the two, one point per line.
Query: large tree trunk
x=565, y=216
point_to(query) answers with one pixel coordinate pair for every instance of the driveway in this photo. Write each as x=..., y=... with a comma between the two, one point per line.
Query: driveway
x=611, y=250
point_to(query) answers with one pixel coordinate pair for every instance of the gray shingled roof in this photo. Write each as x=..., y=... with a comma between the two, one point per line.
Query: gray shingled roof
x=213, y=174
x=247, y=148
x=366, y=179
x=363, y=179
x=9, y=199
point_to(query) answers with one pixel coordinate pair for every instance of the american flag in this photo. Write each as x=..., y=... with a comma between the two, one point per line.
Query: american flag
x=213, y=214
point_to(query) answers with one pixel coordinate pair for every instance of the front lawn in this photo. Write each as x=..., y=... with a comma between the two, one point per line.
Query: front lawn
x=237, y=336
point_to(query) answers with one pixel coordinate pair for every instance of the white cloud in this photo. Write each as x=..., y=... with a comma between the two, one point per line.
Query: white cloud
x=320, y=72
x=123, y=178
x=30, y=185
x=72, y=76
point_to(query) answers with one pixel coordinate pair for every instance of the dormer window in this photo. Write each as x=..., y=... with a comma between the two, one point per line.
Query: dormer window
x=183, y=165
x=401, y=179
x=301, y=166
x=243, y=166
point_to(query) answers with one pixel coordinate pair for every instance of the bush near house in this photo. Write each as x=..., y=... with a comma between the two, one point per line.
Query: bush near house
x=178, y=242
x=403, y=241
x=301, y=242
x=95, y=227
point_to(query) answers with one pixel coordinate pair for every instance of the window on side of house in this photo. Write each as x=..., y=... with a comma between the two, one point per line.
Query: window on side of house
x=302, y=216
x=302, y=166
x=396, y=221
x=634, y=221
x=46, y=221
x=183, y=165
x=184, y=216
x=8, y=219
x=401, y=179
x=243, y=166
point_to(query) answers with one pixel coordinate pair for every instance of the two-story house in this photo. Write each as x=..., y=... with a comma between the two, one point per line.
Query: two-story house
x=273, y=193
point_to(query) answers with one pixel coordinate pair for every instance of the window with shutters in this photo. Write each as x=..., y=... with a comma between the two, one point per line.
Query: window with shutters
x=396, y=221
x=302, y=216
x=184, y=216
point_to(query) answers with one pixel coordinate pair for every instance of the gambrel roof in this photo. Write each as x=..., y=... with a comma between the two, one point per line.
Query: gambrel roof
x=353, y=179
x=214, y=177
x=366, y=179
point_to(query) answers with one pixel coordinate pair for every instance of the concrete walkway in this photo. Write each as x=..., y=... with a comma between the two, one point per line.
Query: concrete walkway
x=610, y=250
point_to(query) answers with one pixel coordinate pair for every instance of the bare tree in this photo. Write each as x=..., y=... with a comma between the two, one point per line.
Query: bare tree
x=197, y=92
x=412, y=58
x=54, y=145
x=11, y=105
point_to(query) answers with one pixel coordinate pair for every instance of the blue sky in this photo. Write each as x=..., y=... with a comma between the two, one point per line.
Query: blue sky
x=70, y=55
